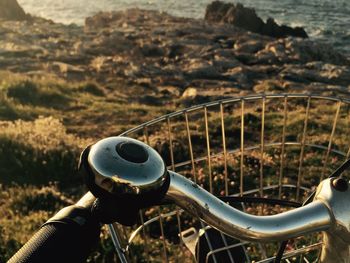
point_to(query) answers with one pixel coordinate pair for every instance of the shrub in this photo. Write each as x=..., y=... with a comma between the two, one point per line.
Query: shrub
x=7, y=109
x=22, y=210
x=93, y=89
x=38, y=152
x=28, y=92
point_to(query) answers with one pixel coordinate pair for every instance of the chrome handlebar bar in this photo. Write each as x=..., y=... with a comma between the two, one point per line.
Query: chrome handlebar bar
x=197, y=201
x=124, y=166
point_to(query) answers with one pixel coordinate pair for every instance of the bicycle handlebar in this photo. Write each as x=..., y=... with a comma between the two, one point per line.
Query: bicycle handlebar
x=127, y=171
x=120, y=166
x=200, y=203
x=67, y=237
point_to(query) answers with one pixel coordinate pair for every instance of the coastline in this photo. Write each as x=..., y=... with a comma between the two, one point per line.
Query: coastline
x=326, y=21
x=163, y=52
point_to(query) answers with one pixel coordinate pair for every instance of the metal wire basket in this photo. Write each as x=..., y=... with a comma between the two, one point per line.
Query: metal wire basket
x=272, y=146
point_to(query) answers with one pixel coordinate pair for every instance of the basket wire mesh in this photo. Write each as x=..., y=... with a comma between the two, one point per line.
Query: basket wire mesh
x=272, y=146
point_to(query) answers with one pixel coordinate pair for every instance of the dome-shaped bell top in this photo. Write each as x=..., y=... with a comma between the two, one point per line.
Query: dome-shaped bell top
x=124, y=165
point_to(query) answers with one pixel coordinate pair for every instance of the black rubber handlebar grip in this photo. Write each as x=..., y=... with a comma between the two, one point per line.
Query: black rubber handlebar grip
x=67, y=238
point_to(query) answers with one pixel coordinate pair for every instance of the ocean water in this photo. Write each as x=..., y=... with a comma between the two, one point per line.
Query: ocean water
x=325, y=20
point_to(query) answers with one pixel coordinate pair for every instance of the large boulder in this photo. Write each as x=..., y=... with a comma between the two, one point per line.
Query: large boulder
x=246, y=18
x=237, y=15
x=11, y=10
x=271, y=28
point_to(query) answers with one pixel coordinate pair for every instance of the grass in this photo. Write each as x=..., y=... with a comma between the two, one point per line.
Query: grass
x=83, y=106
x=23, y=209
x=30, y=152
x=44, y=125
x=46, y=122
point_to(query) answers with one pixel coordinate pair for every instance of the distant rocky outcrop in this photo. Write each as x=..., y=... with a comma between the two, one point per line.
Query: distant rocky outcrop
x=156, y=59
x=246, y=18
x=11, y=10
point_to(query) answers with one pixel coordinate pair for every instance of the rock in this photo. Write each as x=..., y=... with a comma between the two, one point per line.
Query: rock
x=223, y=63
x=103, y=65
x=201, y=69
x=11, y=10
x=269, y=86
x=109, y=44
x=227, y=53
x=246, y=58
x=305, y=50
x=236, y=15
x=169, y=91
x=246, y=18
x=240, y=75
x=175, y=50
x=291, y=50
x=273, y=53
x=189, y=93
x=249, y=46
x=100, y=20
x=135, y=53
x=271, y=28
x=125, y=19
x=150, y=100
x=152, y=50
x=317, y=72
x=68, y=71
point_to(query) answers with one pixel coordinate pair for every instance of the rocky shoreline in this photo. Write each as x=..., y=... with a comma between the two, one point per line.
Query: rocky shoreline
x=158, y=57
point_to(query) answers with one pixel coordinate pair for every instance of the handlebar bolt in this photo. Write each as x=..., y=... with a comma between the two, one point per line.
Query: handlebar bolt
x=340, y=184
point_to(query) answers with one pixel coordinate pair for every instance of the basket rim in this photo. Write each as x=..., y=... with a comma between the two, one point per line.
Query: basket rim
x=230, y=100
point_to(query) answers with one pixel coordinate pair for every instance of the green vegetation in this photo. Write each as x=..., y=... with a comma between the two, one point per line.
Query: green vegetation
x=45, y=123
x=38, y=152
x=84, y=108
x=23, y=210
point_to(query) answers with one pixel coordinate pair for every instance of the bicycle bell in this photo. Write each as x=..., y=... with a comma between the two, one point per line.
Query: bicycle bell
x=121, y=166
